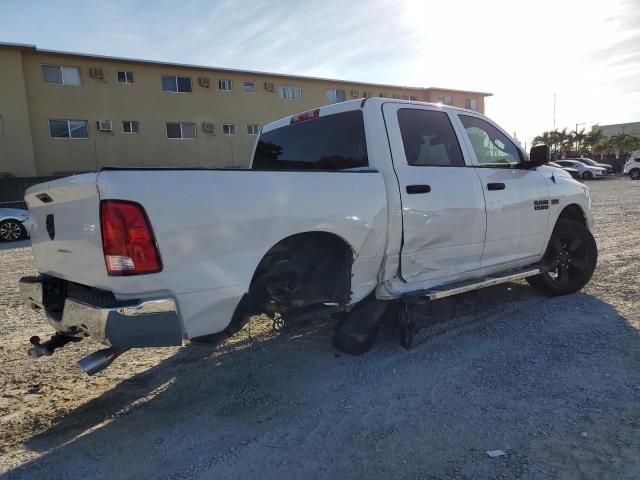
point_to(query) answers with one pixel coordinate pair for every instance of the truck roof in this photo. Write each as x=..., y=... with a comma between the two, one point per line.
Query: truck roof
x=355, y=105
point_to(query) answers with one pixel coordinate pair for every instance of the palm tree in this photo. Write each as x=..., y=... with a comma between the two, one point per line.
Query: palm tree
x=594, y=138
x=545, y=138
x=577, y=140
x=565, y=141
x=623, y=143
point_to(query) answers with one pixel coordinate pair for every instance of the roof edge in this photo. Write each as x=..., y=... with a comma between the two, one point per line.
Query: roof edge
x=229, y=70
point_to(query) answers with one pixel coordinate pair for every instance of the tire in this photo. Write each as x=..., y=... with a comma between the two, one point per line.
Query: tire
x=571, y=257
x=634, y=174
x=12, y=230
x=587, y=176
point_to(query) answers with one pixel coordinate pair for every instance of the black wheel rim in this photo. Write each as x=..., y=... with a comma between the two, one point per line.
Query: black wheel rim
x=568, y=259
x=10, y=231
x=635, y=174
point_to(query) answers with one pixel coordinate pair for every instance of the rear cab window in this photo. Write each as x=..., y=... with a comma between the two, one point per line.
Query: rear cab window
x=428, y=139
x=325, y=143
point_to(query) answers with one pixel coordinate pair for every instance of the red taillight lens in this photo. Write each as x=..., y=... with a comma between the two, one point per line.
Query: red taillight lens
x=127, y=239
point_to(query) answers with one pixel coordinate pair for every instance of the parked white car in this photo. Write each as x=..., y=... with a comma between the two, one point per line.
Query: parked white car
x=592, y=163
x=586, y=172
x=632, y=166
x=15, y=224
x=345, y=209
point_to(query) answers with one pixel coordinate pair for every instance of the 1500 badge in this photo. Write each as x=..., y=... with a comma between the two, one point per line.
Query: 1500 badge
x=541, y=204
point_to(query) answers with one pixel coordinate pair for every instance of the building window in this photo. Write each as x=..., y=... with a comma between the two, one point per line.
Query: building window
x=335, y=96
x=125, y=77
x=130, y=126
x=61, y=75
x=69, y=129
x=228, y=129
x=405, y=97
x=366, y=94
x=173, y=83
x=181, y=130
x=226, y=85
x=471, y=104
x=445, y=100
x=250, y=87
x=289, y=92
x=382, y=95
x=253, y=129
x=396, y=96
x=412, y=98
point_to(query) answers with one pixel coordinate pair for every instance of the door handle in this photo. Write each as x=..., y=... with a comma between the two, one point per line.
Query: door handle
x=411, y=189
x=495, y=186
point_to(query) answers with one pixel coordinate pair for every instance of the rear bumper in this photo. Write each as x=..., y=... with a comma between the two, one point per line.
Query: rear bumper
x=139, y=323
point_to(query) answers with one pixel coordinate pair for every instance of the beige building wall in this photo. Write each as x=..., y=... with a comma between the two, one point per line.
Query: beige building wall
x=145, y=102
x=16, y=148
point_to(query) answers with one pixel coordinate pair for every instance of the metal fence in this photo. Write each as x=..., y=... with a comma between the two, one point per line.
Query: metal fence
x=12, y=190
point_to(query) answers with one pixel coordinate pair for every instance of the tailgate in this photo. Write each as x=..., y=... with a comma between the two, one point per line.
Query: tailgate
x=66, y=234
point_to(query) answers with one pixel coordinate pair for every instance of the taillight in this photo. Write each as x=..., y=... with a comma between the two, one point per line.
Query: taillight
x=127, y=239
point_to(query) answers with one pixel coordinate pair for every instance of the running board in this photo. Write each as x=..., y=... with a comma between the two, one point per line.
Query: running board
x=475, y=284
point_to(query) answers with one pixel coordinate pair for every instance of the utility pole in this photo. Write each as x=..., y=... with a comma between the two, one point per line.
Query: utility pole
x=554, y=111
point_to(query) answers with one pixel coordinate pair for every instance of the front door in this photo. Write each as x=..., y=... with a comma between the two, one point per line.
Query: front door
x=442, y=200
x=517, y=199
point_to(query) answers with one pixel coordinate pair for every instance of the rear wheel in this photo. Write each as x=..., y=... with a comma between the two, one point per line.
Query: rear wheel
x=587, y=175
x=571, y=257
x=635, y=174
x=12, y=230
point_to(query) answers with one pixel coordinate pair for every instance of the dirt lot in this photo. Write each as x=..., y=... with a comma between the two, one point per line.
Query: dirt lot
x=554, y=382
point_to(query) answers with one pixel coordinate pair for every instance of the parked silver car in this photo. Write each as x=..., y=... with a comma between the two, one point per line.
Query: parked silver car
x=15, y=224
x=587, y=172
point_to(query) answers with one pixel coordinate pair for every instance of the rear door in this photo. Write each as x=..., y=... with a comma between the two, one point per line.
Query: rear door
x=517, y=199
x=442, y=201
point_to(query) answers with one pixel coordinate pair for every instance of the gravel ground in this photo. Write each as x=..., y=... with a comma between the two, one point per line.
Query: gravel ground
x=553, y=382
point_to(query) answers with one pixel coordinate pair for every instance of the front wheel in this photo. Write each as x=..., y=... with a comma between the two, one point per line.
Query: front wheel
x=587, y=176
x=571, y=258
x=12, y=230
x=634, y=174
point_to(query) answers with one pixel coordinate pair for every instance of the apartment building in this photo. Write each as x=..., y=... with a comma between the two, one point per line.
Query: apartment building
x=64, y=113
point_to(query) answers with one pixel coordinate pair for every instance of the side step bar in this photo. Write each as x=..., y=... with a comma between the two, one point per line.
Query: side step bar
x=476, y=284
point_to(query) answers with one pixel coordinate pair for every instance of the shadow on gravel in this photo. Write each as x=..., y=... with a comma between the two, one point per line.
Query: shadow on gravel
x=525, y=370
x=12, y=245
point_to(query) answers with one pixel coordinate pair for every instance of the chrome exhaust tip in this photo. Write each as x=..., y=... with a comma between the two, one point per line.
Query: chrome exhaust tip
x=98, y=361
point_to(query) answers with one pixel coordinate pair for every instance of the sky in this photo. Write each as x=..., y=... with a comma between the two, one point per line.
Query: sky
x=586, y=53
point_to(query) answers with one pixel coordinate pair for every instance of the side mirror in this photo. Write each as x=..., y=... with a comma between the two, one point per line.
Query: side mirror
x=539, y=155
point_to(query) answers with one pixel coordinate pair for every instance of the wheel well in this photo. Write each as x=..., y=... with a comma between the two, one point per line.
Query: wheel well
x=304, y=269
x=573, y=212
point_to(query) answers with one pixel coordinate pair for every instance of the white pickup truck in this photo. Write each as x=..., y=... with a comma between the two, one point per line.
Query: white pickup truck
x=345, y=208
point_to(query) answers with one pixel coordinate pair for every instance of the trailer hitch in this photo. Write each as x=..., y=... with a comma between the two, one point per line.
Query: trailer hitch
x=46, y=349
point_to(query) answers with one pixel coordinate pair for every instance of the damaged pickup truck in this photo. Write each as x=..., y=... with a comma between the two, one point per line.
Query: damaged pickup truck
x=345, y=210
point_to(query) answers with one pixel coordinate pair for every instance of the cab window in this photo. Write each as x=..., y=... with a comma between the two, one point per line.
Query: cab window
x=332, y=142
x=491, y=146
x=429, y=139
